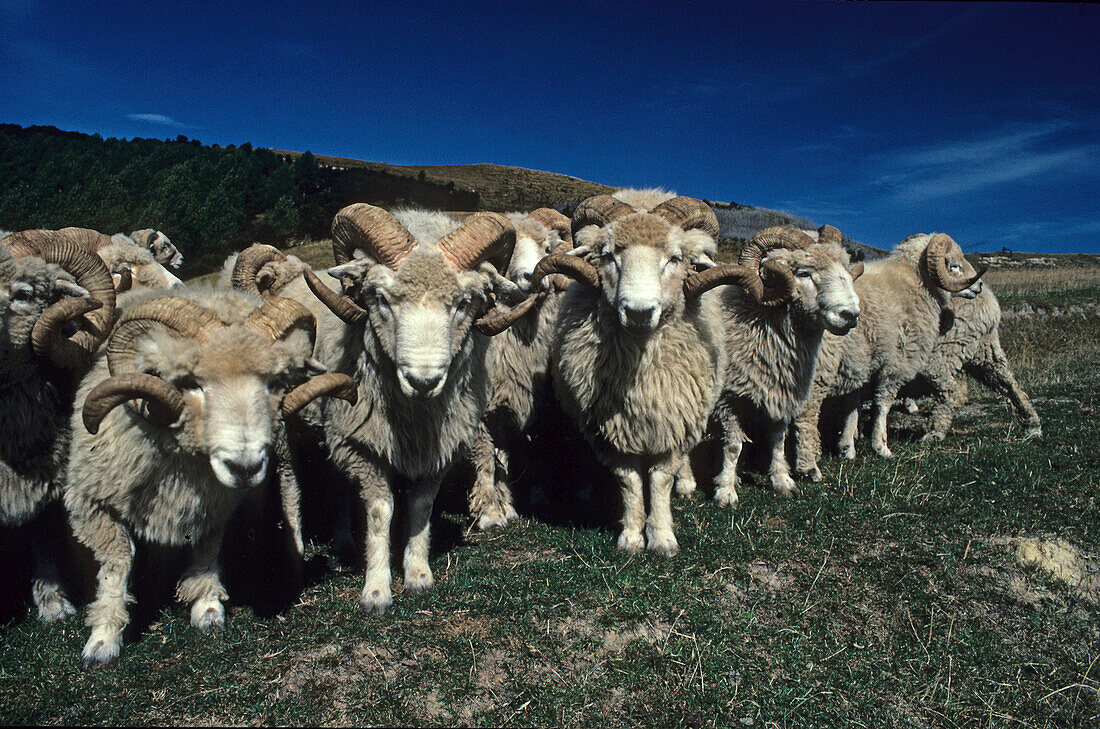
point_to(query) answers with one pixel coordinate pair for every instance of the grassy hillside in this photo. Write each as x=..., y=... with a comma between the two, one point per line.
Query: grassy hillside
x=955, y=585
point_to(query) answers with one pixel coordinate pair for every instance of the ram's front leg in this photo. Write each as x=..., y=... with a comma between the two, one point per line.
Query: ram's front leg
x=808, y=437
x=47, y=547
x=779, y=474
x=884, y=398
x=685, y=479
x=114, y=552
x=849, y=412
x=377, y=494
x=733, y=440
x=201, y=586
x=632, y=537
x=418, y=574
x=660, y=537
x=490, y=498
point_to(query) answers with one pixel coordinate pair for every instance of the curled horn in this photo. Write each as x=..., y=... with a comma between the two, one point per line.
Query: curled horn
x=496, y=321
x=341, y=305
x=331, y=384
x=47, y=337
x=829, y=235
x=598, y=210
x=554, y=220
x=936, y=267
x=246, y=270
x=278, y=316
x=182, y=316
x=699, y=283
x=481, y=237
x=778, y=236
x=165, y=402
x=689, y=214
x=91, y=273
x=372, y=230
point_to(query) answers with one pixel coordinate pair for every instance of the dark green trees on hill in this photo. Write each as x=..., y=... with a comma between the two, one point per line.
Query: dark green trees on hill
x=209, y=200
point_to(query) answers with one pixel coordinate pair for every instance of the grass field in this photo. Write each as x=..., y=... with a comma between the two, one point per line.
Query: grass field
x=955, y=585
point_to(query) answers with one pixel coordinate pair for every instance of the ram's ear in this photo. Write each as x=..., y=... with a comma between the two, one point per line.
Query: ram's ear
x=356, y=273
x=700, y=248
x=315, y=367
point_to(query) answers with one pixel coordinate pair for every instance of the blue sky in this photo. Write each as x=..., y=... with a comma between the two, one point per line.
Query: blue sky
x=980, y=120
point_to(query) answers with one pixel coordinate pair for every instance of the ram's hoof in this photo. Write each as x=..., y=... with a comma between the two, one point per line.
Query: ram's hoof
x=662, y=543
x=375, y=602
x=100, y=650
x=208, y=617
x=726, y=496
x=419, y=581
x=631, y=543
x=54, y=609
x=784, y=486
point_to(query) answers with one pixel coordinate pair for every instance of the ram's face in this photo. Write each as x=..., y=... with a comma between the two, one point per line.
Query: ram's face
x=147, y=275
x=420, y=315
x=526, y=254
x=163, y=250
x=823, y=290
x=958, y=266
x=232, y=386
x=643, y=261
x=26, y=291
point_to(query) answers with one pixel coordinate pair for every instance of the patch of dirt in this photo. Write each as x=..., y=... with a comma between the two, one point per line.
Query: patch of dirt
x=615, y=641
x=1064, y=562
x=772, y=579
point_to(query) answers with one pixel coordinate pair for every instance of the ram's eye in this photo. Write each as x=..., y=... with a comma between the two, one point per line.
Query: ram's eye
x=22, y=294
x=803, y=273
x=187, y=382
x=675, y=259
x=462, y=305
x=382, y=300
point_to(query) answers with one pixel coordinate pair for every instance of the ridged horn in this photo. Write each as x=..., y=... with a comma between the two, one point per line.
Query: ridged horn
x=689, y=214
x=777, y=236
x=699, y=283
x=481, y=237
x=165, y=402
x=330, y=384
x=47, y=338
x=278, y=316
x=829, y=235
x=497, y=320
x=935, y=265
x=598, y=210
x=248, y=265
x=372, y=230
x=182, y=316
x=554, y=220
x=341, y=305
x=90, y=273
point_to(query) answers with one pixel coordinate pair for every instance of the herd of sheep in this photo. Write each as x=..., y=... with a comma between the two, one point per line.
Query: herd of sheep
x=150, y=409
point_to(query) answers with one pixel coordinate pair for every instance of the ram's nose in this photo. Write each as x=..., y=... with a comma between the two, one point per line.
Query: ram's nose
x=424, y=384
x=850, y=317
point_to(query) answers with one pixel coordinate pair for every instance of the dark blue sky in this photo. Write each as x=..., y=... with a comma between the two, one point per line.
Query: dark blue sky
x=982, y=120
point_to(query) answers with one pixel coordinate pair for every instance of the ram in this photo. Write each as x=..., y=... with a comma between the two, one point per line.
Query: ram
x=902, y=298
x=413, y=285
x=133, y=266
x=795, y=289
x=638, y=350
x=211, y=373
x=49, y=286
x=970, y=344
x=158, y=244
x=519, y=363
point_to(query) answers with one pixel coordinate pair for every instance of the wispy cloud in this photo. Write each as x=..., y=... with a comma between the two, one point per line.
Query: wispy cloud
x=156, y=119
x=1053, y=149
